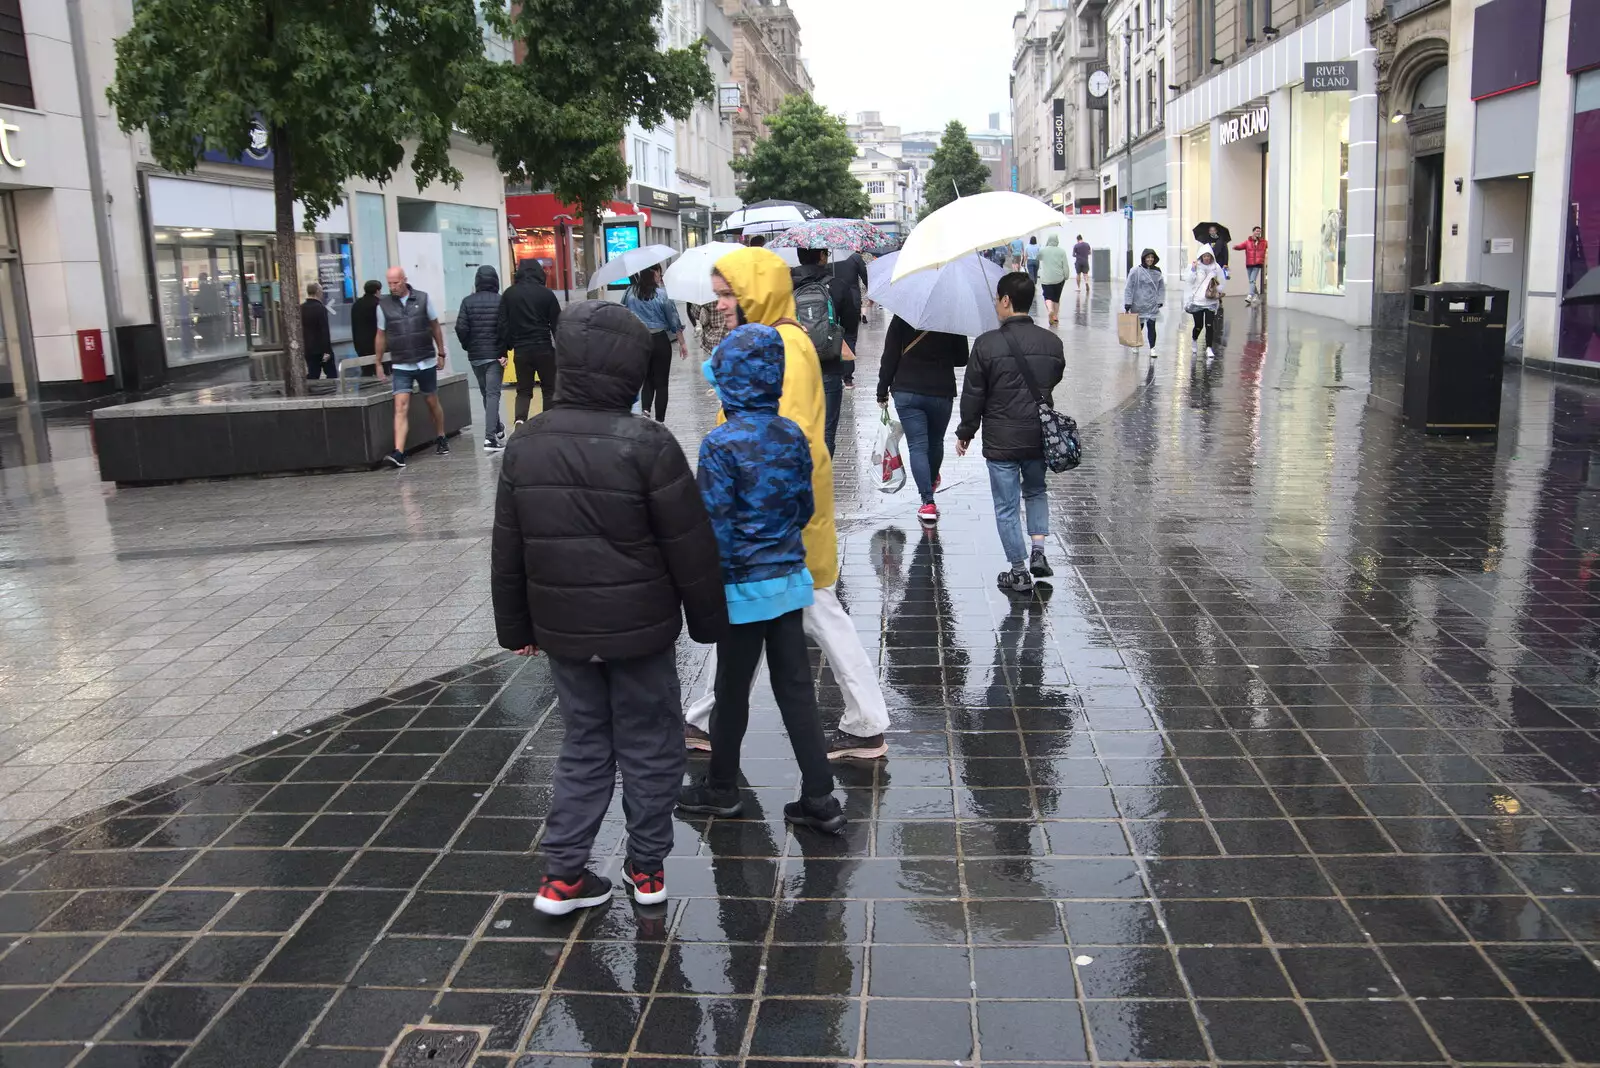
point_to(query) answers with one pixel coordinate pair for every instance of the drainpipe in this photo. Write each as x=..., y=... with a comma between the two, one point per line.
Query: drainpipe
x=97, y=184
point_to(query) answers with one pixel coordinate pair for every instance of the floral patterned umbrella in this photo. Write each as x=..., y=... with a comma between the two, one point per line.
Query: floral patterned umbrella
x=856, y=235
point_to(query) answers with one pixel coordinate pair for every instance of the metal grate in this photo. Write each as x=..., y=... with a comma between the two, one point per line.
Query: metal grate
x=434, y=1047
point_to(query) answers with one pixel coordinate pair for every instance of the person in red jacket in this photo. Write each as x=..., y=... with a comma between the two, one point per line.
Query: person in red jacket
x=1255, y=258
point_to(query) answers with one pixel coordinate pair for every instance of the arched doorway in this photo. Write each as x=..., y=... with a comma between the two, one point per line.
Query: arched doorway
x=1424, y=120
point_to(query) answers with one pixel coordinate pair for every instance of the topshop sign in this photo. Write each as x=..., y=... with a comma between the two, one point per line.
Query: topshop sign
x=1252, y=123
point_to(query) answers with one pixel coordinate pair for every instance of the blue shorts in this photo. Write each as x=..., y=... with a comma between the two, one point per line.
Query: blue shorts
x=426, y=380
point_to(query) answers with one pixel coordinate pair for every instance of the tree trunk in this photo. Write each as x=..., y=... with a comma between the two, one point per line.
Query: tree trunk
x=288, y=264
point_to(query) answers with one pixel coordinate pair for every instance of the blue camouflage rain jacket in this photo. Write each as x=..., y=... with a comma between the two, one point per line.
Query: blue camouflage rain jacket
x=755, y=476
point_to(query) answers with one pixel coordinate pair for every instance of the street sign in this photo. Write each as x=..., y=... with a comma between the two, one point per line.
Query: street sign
x=1127, y=211
x=1335, y=77
x=1058, y=134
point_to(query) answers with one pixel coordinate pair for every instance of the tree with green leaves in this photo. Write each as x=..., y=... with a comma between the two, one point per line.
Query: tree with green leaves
x=806, y=158
x=345, y=88
x=555, y=120
x=956, y=166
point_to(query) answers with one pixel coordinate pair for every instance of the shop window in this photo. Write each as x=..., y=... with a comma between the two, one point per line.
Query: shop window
x=1580, y=323
x=206, y=295
x=1319, y=191
x=16, y=81
x=327, y=260
x=1196, y=164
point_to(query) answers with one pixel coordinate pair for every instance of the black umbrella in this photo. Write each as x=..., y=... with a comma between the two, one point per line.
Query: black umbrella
x=1202, y=232
x=1586, y=291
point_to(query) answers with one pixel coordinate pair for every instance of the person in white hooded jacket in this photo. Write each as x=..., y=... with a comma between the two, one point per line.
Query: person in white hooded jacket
x=1205, y=280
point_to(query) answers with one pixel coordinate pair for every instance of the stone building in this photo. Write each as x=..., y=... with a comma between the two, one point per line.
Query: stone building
x=766, y=64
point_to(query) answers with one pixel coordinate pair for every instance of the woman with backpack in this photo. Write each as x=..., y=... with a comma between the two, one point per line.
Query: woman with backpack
x=647, y=299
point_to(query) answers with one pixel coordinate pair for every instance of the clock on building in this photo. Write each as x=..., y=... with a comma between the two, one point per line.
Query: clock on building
x=1099, y=83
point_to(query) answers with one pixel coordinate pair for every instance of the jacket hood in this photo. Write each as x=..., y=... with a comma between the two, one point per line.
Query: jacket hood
x=530, y=271
x=1150, y=253
x=1054, y=240
x=760, y=280
x=487, y=280
x=1205, y=250
x=602, y=353
x=748, y=368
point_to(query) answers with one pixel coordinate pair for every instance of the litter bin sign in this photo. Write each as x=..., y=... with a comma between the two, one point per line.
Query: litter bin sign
x=1455, y=357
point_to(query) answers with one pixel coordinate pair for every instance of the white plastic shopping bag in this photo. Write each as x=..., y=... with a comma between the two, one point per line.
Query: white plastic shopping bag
x=886, y=453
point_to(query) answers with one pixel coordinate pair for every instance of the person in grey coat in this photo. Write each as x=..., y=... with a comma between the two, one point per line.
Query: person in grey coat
x=1145, y=292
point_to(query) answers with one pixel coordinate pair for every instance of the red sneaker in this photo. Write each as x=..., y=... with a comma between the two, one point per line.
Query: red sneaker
x=559, y=896
x=647, y=887
x=928, y=513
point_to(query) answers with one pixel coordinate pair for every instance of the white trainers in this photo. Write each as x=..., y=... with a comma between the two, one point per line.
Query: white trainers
x=1209, y=354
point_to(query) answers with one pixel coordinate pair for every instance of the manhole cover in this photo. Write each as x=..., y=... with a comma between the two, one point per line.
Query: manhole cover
x=434, y=1047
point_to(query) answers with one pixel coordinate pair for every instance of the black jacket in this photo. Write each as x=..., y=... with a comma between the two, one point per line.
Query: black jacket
x=478, y=321
x=849, y=278
x=808, y=274
x=929, y=368
x=529, y=313
x=601, y=542
x=364, y=325
x=996, y=395
x=314, y=328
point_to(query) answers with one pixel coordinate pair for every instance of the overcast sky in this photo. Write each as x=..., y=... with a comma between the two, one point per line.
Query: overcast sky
x=920, y=63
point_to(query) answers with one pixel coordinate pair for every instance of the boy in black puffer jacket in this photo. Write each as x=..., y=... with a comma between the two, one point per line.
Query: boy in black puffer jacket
x=476, y=325
x=601, y=547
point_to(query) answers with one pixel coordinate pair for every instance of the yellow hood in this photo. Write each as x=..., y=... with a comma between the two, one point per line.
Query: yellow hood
x=760, y=279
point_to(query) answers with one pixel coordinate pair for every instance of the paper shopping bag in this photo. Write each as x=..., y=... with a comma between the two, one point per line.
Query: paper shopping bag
x=1128, y=332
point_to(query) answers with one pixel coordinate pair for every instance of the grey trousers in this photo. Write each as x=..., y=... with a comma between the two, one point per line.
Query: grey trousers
x=627, y=715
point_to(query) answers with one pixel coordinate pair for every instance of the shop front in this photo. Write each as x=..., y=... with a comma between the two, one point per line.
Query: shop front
x=665, y=211
x=695, y=220
x=553, y=233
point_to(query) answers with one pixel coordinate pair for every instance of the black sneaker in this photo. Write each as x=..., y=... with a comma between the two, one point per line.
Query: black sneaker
x=493, y=445
x=844, y=746
x=395, y=459
x=441, y=447
x=1038, y=564
x=648, y=886
x=819, y=813
x=1016, y=580
x=704, y=798
x=559, y=895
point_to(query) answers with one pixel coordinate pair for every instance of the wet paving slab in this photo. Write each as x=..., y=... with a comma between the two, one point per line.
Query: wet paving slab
x=1294, y=760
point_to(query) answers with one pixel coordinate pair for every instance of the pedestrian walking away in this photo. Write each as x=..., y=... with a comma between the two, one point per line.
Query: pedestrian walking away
x=919, y=371
x=817, y=313
x=1205, y=279
x=1255, y=262
x=648, y=300
x=409, y=334
x=1080, y=263
x=1145, y=293
x=753, y=285
x=317, y=336
x=848, y=289
x=996, y=398
x=1033, y=259
x=478, y=330
x=601, y=548
x=364, y=325
x=1053, y=276
x=755, y=475
x=1016, y=257
x=528, y=319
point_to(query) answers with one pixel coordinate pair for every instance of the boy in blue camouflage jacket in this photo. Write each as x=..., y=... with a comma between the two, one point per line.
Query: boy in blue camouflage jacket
x=755, y=476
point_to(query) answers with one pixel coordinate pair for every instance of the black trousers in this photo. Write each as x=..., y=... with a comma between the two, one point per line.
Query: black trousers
x=789, y=666
x=534, y=363
x=620, y=715
x=1204, y=319
x=655, y=378
x=319, y=364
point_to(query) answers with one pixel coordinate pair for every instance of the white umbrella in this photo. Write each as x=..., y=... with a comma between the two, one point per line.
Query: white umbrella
x=957, y=298
x=629, y=263
x=689, y=277
x=971, y=223
x=769, y=216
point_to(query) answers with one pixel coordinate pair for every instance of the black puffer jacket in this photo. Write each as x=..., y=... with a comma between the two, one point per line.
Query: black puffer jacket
x=529, y=313
x=996, y=395
x=479, y=317
x=601, y=541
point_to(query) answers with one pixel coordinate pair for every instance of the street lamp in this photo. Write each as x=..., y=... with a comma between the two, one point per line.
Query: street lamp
x=1127, y=136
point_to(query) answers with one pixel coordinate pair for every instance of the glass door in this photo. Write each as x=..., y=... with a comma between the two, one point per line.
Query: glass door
x=261, y=292
x=17, y=377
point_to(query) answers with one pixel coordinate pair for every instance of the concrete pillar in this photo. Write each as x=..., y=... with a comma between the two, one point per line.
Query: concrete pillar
x=1547, y=212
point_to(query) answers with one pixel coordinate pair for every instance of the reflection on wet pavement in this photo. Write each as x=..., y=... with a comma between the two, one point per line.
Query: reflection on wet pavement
x=1293, y=761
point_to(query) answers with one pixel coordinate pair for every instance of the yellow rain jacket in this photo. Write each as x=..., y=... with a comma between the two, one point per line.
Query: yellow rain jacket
x=761, y=282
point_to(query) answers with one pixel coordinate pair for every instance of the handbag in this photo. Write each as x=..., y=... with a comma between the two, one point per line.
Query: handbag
x=1062, y=450
x=1128, y=332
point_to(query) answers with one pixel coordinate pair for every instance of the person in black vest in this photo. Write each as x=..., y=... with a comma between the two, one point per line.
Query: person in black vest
x=477, y=329
x=316, y=336
x=364, y=324
x=409, y=334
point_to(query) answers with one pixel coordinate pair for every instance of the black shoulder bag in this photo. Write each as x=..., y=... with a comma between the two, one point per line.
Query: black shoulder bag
x=1062, y=450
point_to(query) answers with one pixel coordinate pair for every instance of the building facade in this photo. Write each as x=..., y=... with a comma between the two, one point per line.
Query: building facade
x=993, y=145
x=1139, y=56
x=893, y=189
x=1032, y=113
x=705, y=140
x=766, y=64
x=1078, y=103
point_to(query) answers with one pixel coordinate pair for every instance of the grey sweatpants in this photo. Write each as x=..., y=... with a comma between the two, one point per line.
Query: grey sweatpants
x=622, y=714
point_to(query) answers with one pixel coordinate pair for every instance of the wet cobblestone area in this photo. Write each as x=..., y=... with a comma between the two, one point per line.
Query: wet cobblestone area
x=1293, y=761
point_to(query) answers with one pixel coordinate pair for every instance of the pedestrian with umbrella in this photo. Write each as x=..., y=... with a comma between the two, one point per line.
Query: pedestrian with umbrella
x=1216, y=237
x=648, y=300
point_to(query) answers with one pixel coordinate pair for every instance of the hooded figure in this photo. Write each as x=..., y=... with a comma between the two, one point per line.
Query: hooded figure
x=478, y=319
x=1146, y=290
x=1200, y=275
x=529, y=317
x=1053, y=263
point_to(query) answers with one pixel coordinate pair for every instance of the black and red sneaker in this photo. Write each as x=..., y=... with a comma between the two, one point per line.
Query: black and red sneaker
x=648, y=885
x=559, y=895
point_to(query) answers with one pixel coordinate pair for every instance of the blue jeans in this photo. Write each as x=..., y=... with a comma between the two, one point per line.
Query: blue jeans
x=490, y=378
x=1013, y=483
x=1255, y=279
x=832, y=398
x=925, y=420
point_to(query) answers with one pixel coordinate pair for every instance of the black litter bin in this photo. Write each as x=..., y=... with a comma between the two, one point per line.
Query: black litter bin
x=1455, y=357
x=142, y=356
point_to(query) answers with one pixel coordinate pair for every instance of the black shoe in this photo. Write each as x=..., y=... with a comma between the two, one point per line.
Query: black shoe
x=704, y=798
x=559, y=894
x=819, y=813
x=1038, y=564
x=1017, y=580
x=395, y=459
x=493, y=445
x=647, y=885
x=843, y=746
x=441, y=447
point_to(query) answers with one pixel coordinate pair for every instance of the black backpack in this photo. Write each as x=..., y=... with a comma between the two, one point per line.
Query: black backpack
x=813, y=308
